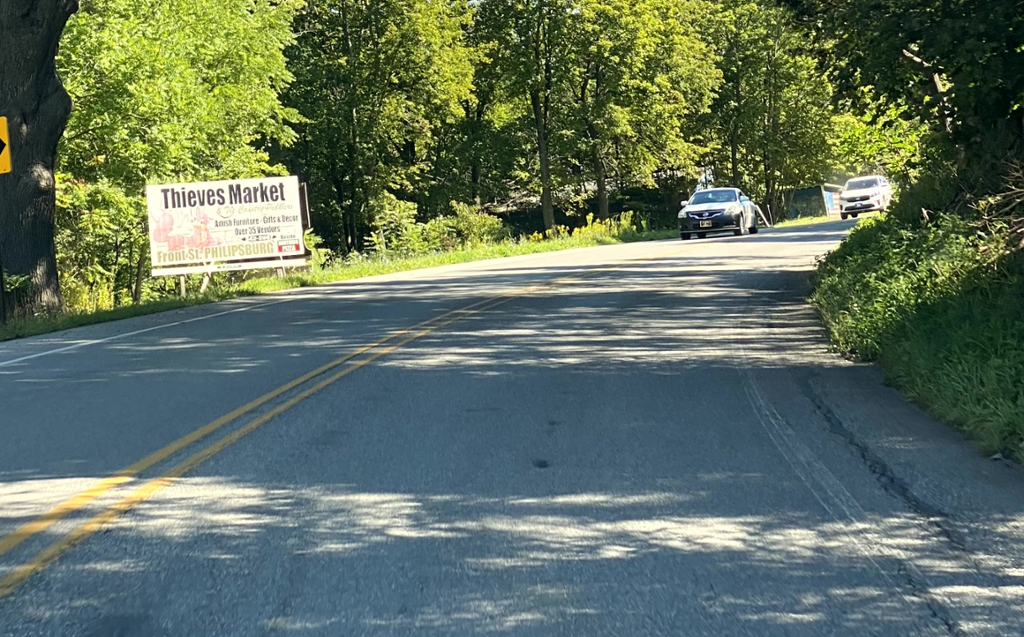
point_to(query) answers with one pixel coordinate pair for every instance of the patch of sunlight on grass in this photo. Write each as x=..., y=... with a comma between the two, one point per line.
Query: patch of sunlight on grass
x=804, y=221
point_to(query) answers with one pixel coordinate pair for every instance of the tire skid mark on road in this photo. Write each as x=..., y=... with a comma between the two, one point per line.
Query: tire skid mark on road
x=842, y=506
x=352, y=362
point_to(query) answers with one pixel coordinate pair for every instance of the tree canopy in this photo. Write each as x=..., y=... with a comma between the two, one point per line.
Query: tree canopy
x=538, y=111
x=958, y=66
x=164, y=90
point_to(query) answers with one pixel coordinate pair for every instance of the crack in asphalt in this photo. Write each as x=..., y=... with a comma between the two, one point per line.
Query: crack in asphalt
x=937, y=518
x=911, y=576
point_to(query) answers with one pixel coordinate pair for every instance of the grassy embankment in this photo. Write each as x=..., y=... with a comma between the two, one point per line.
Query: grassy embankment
x=343, y=271
x=940, y=305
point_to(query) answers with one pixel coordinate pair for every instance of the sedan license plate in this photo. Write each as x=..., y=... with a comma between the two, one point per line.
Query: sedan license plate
x=705, y=224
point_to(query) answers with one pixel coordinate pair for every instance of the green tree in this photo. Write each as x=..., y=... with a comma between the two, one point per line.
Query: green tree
x=486, y=156
x=531, y=50
x=34, y=100
x=640, y=69
x=772, y=121
x=175, y=89
x=958, y=66
x=164, y=90
x=376, y=81
x=873, y=136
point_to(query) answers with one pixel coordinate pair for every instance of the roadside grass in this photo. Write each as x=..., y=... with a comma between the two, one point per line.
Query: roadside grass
x=367, y=267
x=939, y=307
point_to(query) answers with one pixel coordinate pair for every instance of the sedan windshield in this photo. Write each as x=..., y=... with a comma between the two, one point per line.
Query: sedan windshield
x=861, y=184
x=714, y=196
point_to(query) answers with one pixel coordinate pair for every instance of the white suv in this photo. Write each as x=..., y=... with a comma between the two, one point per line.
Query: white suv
x=865, y=194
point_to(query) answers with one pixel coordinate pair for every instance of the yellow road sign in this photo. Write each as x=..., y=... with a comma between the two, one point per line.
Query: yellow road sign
x=5, y=148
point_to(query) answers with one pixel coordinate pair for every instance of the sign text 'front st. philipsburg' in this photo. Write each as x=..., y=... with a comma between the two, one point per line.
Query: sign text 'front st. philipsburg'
x=226, y=225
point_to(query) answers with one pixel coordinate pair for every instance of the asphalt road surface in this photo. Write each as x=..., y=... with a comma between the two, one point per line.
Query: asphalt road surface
x=647, y=439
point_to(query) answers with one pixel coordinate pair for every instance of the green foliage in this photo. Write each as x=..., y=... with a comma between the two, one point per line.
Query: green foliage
x=939, y=306
x=608, y=88
x=471, y=226
x=319, y=256
x=101, y=238
x=175, y=89
x=957, y=67
x=16, y=283
x=164, y=90
x=395, y=228
x=771, y=124
x=377, y=83
x=619, y=227
x=875, y=137
x=958, y=64
x=638, y=72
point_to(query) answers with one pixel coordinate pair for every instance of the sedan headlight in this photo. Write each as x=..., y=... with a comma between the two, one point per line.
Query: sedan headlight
x=682, y=214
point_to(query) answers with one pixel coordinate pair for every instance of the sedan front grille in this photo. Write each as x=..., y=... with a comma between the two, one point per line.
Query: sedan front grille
x=707, y=214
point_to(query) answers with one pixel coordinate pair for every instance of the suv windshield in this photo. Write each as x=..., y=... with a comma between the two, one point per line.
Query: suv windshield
x=714, y=196
x=861, y=184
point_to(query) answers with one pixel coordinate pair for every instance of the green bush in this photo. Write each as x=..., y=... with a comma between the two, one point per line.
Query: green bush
x=618, y=227
x=939, y=305
x=394, y=226
x=473, y=227
x=320, y=257
x=440, y=234
x=102, y=244
x=395, y=229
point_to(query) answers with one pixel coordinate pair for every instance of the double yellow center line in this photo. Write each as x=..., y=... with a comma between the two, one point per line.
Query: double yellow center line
x=375, y=350
x=348, y=363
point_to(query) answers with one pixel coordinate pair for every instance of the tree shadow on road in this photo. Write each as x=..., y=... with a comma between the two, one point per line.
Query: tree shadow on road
x=581, y=460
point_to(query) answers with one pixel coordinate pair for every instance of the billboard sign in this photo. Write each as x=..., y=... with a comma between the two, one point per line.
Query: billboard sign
x=242, y=224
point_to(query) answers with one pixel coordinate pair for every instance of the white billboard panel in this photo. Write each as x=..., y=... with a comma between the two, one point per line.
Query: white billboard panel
x=242, y=224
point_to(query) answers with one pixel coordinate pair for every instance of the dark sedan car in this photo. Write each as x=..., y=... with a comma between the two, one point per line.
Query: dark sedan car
x=717, y=210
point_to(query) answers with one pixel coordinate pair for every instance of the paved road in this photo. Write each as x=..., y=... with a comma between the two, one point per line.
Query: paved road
x=650, y=439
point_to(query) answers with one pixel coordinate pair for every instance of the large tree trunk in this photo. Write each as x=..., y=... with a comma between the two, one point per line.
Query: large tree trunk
x=734, y=135
x=37, y=108
x=475, y=179
x=354, y=182
x=348, y=214
x=540, y=100
x=140, y=274
x=476, y=170
x=546, y=201
x=601, y=176
x=600, y=169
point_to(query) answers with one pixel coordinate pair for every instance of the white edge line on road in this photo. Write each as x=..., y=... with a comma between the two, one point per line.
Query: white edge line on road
x=116, y=337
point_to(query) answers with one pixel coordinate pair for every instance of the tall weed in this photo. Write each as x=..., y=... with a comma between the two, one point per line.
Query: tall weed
x=941, y=306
